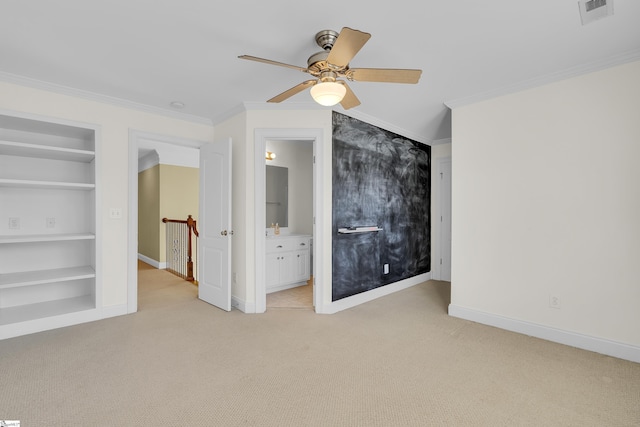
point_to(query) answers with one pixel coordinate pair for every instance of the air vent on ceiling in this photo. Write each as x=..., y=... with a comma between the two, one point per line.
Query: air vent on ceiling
x=592, y=10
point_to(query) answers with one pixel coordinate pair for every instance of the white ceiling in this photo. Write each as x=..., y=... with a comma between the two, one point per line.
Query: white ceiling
x=155, y=52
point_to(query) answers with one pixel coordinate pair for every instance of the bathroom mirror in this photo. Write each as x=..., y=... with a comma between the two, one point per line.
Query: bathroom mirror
x=277, y=196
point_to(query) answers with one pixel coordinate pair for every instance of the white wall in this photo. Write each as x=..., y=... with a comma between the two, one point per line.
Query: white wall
x=546, y=203
x=115, y=123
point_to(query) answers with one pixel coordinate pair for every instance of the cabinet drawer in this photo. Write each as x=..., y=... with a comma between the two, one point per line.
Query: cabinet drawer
x=280, y=244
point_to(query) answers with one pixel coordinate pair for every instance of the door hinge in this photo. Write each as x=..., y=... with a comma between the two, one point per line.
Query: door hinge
x=440, y=261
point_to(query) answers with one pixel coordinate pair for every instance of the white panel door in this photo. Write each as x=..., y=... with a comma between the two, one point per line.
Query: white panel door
x=214, y=242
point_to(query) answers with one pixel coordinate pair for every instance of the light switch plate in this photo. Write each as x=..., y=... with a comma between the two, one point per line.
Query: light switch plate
x=115, y=213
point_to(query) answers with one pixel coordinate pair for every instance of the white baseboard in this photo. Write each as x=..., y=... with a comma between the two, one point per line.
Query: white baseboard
x=242, y=305
x=47, y=323
x=585, y=342
x=114, y=310
x=352, y=301
x=152, y=262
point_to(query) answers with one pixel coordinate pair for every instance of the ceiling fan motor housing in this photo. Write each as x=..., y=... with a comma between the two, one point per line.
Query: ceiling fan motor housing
x=326, y=39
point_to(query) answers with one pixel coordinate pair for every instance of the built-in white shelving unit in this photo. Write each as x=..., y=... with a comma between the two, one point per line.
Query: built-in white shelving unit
x=48, y=262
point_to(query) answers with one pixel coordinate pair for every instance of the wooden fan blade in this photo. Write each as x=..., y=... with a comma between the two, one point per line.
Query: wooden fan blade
x=350, y=99
x=384, y=75
x=290, y=92
x=347, y=45
x=268, y=61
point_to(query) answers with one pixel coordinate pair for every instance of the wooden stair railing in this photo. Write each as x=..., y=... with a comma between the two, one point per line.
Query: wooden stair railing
x=179, y=244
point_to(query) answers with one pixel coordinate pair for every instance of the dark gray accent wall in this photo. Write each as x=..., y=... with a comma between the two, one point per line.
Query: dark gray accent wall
x=379, y=178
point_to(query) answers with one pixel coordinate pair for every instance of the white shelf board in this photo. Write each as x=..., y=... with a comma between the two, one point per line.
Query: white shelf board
x=24, y=313
x=34, y=238
x=14, y=148
x=39, y=277
x=25, y=183
x=358, y=230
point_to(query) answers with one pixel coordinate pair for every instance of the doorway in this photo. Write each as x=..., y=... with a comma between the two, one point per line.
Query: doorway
x=182, y=153
x=263, y=137
x=289, y=204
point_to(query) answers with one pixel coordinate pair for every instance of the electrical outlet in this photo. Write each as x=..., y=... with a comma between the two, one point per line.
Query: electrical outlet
x=554, y=301
x=51, y=223
x=386, y=269
x=14, y=223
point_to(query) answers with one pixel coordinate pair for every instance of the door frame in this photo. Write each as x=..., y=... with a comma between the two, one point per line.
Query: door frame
x=260, y=140
x=135, y=136
x=444, y=194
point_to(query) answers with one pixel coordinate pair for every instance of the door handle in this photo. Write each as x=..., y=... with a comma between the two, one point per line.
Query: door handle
x=223, y=233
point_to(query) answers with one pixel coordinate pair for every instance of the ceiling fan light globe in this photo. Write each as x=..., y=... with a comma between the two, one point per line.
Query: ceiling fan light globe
x=328, y=93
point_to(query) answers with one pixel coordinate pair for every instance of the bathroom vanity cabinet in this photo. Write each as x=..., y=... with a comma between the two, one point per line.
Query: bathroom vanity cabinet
x=287, y=261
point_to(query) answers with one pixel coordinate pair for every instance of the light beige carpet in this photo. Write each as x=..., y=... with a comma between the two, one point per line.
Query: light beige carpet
x=396, y=361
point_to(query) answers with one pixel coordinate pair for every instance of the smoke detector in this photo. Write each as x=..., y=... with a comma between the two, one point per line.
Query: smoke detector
x=592, y=10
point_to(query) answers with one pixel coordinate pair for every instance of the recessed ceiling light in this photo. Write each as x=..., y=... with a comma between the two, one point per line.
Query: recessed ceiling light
x=177, y=105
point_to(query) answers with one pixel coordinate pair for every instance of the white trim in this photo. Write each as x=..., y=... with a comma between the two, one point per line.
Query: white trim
x=573, y=339
x=623, y=58
x=148, y=161
x=152, y=262
x=242, y=305
x=132, y=221
x=93, y=96
x=132, y=240
x=376, y=293
x=437, y=252
x=261, y=136
x=48, y=323
x=441, y=141
x=114, y=311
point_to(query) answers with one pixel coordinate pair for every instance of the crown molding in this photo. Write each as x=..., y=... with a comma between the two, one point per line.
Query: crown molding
x=105, y=99
x=623, y=58
x=441, y=141
x=265, y=106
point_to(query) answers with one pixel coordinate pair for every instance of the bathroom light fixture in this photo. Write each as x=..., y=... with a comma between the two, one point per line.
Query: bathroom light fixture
x=328, y=93
x=270, y=156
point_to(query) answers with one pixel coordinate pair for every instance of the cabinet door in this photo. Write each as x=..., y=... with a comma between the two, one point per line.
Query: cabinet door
x=287, y=268
x=272, y=270
x=301, y=265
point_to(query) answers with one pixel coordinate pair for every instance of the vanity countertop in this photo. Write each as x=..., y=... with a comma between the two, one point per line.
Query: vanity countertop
x=280, y=236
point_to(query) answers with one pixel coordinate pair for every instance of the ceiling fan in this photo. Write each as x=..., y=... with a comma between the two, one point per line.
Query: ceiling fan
x=332, y=63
